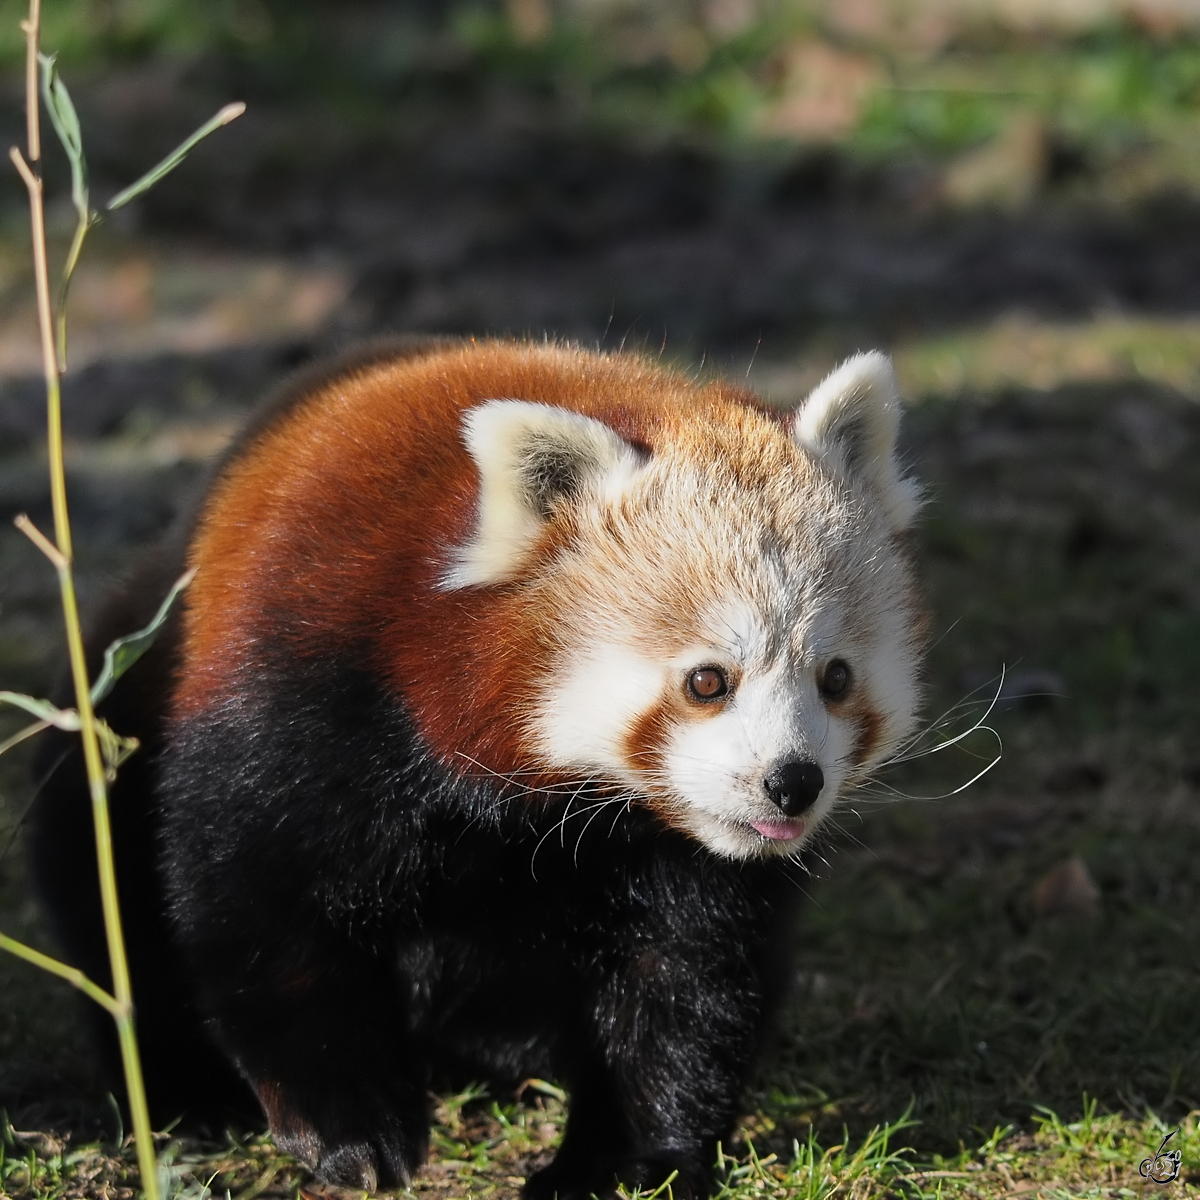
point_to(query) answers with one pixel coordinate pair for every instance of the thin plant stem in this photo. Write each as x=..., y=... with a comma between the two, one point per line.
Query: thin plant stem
x=74, y=976
x=32, y=28
x=39, y=539
x=82, y=225
x=20, y=736
x=122, y=1006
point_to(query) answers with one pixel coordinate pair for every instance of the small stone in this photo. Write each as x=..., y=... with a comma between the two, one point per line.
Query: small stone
x=1067, y=890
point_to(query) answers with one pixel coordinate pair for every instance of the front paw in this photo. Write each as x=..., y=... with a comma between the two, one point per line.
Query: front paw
x=684, y=1177
x=348, y=1141
x=380, y=1161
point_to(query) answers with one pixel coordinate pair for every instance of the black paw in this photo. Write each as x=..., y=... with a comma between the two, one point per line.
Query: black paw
x=350, y=1144
x=382, y=1162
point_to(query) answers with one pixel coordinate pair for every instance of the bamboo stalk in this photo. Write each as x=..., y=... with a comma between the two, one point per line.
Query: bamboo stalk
x=32, y=28
x=122, y=999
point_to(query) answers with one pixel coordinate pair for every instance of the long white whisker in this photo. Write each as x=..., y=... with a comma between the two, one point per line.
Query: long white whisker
x=896, y=793
x=945, y=634
x=598, y=809
x=556, y=825
x=628, y=805
x=979, y=724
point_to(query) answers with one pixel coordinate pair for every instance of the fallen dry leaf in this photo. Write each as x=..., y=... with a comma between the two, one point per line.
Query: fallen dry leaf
x=1067, y=890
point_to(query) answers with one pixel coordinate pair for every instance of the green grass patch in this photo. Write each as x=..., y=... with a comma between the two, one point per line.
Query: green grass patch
x=1107, y=91
x=1099, y=1155
x=1018, y=351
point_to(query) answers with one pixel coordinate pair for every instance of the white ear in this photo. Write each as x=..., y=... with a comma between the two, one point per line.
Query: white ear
x=530, y=457
x=851, y=419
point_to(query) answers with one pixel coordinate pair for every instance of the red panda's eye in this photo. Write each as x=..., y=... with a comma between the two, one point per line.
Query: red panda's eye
x=835, y=680
x=708, y=683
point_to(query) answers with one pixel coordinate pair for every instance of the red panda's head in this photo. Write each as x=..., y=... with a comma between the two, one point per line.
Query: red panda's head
x=728, y=617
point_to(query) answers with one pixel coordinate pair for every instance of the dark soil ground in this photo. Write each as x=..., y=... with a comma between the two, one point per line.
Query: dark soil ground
x=1032, y=940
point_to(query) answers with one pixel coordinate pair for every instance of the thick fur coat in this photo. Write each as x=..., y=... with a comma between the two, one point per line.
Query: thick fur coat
x=511, y=683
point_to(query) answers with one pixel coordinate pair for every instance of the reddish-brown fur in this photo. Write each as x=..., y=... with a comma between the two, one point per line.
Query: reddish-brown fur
x=385, y=580
x=344, y=510
x=870, y=724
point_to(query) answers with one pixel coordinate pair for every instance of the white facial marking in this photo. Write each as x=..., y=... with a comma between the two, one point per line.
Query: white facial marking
x=775, y=715
x=582, y=722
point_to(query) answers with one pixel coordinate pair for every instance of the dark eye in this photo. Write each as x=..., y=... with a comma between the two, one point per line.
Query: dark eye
x=835, y=680
x=708, y=683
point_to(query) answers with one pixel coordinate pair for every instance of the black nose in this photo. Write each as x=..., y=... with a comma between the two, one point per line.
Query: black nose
x=794, y=785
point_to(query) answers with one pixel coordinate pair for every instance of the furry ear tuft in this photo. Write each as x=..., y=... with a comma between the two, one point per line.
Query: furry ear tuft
x=851, y=419
x=530, y=457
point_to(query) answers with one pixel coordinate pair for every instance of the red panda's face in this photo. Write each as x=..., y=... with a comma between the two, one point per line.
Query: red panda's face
x=731, y=634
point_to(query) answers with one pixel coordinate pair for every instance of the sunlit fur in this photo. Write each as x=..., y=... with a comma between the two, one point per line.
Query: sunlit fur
x=547, y=542
x=733, y=546
x=423, y=796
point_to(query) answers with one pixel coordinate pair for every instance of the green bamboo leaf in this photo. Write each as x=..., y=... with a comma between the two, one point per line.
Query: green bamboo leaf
x=229, y=113
x=125, y=651
x=65, y=120
x=63, y=718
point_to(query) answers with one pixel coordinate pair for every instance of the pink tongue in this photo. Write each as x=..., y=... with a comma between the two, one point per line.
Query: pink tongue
x=779, y=831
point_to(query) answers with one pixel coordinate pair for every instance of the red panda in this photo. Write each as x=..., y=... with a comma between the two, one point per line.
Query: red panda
x=511, y=684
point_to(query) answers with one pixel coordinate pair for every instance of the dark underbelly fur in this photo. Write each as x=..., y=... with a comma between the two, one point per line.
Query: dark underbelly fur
x=352, y=923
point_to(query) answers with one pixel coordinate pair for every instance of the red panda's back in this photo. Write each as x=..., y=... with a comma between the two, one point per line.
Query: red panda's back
x=334, y=527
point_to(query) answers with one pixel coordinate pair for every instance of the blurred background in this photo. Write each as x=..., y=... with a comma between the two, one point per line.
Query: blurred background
x=1004, y=194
